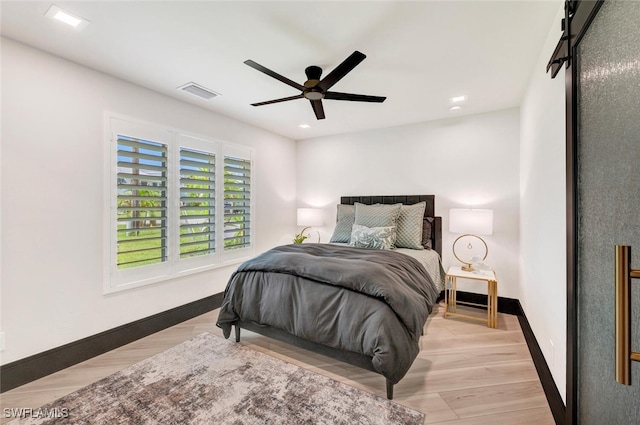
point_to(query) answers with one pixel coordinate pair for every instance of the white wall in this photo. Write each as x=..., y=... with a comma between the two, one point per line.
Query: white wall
x=543, y=209
x=466, y=161
x=52, y=199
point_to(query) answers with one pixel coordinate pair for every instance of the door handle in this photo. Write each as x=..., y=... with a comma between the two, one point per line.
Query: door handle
x=623, y=275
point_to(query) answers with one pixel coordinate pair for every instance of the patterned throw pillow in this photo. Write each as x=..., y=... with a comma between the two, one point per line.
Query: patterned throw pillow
x=378, y=215
x=372, y=237
x=346, y=218
x=409, y=229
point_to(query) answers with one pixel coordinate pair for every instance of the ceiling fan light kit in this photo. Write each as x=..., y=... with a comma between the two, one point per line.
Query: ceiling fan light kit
x=316, y=89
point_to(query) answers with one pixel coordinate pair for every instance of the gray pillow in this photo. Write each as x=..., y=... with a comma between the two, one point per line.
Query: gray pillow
x=372, y=237
x=378, y=215
x=427, y=225
x=409, y=229
x=346, y=218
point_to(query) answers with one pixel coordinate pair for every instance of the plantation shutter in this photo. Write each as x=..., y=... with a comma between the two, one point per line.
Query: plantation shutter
x=178, y=204
x=141, y=202
x=197, y=202
x=237, y=203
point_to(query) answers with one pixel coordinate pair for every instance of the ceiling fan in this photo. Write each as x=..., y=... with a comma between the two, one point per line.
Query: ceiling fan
x=316, y=89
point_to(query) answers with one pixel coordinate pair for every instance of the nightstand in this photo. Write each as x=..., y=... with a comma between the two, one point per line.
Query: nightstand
x=450, y=298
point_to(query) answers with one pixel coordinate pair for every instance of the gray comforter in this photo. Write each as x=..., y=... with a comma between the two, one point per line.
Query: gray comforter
x=371, y=302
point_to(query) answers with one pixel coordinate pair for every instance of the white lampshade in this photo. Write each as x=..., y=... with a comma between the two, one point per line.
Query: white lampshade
x=472, y=221
x=310, y=217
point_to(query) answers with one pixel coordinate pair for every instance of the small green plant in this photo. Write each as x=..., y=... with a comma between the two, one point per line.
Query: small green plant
x=300, y=237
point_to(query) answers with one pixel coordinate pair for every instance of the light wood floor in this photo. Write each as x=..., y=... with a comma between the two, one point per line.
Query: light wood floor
x=465, y=373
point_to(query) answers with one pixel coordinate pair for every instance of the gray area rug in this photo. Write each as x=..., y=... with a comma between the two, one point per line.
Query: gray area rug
x=210, y=380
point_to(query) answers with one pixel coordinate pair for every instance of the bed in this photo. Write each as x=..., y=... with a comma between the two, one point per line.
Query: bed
x=366, y=307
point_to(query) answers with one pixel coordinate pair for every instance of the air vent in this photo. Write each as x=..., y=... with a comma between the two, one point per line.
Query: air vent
x=199, y=91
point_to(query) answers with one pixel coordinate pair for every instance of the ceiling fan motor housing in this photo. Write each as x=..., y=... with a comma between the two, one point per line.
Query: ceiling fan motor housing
x=313, y=78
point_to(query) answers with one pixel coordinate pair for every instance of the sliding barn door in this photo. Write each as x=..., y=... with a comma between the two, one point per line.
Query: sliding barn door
x=608, y=208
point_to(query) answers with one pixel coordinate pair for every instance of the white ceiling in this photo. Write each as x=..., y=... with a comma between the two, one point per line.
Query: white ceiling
x=419, y=54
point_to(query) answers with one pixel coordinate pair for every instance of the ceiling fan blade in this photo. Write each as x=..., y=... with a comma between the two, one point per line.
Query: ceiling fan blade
x=317, y=108
x=341, y=70
x=334, y=95
x=284, y=99
x=275, y=75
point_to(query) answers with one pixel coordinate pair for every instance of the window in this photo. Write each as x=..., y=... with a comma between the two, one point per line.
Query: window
x=197, y=203
x=237, y=203
x=172, y=194
x=142, y=202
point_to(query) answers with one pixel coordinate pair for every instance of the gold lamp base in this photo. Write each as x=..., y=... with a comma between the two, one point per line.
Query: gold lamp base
x=467, y=268
x=483, y=252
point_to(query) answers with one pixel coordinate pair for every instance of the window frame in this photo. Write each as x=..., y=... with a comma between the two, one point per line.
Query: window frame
x=115, y=280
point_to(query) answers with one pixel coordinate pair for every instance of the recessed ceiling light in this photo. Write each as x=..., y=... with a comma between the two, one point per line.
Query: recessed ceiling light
x=455, y=108
x=458, y=99
x=304, y=126
x=68, y=18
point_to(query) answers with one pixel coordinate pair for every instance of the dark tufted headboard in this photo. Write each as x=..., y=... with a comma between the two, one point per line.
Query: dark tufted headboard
x=429, y=212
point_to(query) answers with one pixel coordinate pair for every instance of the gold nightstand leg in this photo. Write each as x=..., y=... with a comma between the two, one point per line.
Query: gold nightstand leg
x=492, y=304
x=489, y=302
x=453, y=295
x=449, y=295
x=447, y=283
